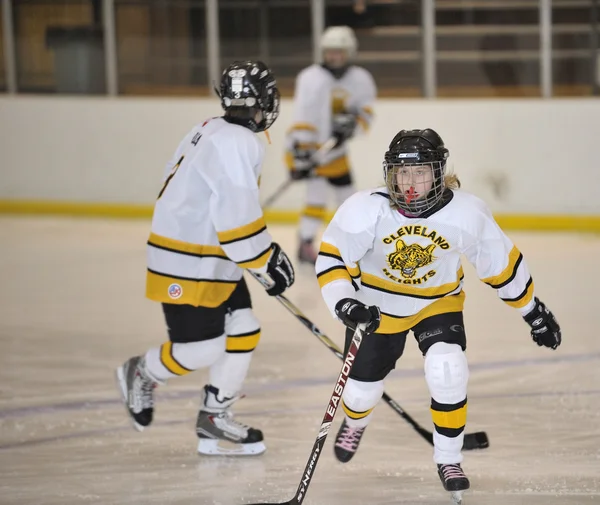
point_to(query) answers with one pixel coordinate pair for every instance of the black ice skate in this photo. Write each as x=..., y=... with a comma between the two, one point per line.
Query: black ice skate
x=454, y=480
x=137, y=390
x=346, y=442
x=307, y=252
x=219, y=433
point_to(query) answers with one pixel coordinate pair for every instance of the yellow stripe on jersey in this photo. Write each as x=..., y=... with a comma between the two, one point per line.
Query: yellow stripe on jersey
x=302, y=126
x=523, y=299
x=242, y=232
x=178, y=246
x=514, y=259
x=330, y=249
x=183, y=291
x=396, y=324
x=335, y=168
x=374, y=282
x=289, y=160
x=314, y=212
x=257, y=262
x=354, y=271
x=363, y=123
x=170, y=363
x=353, y=414
x=333, y=274
x=245, y=342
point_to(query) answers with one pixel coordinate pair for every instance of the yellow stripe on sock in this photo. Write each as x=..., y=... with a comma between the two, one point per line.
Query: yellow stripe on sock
x=454, y=419
x=167, y=359
x=352, y=414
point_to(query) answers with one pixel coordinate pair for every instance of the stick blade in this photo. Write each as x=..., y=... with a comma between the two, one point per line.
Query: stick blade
x=477, y=440
x=293, y=501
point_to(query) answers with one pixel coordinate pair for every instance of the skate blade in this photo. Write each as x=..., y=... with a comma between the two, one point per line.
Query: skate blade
x=456, y=497
x=123, y=389
x=218, y=447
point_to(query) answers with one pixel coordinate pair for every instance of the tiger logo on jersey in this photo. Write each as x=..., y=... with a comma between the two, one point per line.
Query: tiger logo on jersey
x=409, y=258
x=339, y=98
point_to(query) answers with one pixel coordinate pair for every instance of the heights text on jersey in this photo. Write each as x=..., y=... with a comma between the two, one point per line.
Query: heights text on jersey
x=410, y=267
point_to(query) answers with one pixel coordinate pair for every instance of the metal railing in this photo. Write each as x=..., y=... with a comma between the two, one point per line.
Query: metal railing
x=412, y=52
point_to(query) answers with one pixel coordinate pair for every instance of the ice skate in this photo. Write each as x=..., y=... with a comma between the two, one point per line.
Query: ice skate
x=137, y=391
x=219, y=434
x=307, y=252
x=346, y=442
x=454, y=480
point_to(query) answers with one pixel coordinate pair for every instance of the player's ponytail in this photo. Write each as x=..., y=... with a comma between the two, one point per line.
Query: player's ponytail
x=451, y=181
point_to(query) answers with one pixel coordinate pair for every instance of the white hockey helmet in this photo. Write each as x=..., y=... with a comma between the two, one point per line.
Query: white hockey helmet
x=340, y=37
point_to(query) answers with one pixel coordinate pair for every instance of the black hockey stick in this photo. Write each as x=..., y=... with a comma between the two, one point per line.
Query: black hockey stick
x=332, y=407
x=277, y=193
x=317, y=157
x=477, y=440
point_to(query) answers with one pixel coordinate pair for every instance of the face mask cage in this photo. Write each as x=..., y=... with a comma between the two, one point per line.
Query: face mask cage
x=408, y=200
x=271, y=111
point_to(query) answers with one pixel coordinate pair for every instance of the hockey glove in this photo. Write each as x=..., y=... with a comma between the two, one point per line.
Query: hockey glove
x=304, y=166
x=280, y=270
x=544, y=327
x=343, y=127
x=352, y=312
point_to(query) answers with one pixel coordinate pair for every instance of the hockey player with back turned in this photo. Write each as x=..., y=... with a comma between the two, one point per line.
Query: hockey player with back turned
x=391, y=258
x=207, y=227
x=333, y=99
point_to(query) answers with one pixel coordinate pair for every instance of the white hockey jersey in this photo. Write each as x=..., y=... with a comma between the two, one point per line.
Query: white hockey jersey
x=411, y=267
x=207, y=220
x=318, y=96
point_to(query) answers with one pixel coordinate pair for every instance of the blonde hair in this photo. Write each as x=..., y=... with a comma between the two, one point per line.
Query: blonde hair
x=452, y=181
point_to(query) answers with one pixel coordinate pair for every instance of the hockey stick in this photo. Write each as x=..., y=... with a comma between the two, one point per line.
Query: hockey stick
x=317, y=157
x=277, y=193
x=477, y=440
x=332, y=407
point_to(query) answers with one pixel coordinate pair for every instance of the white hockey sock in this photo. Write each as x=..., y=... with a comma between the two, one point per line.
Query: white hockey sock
x=174, y=359
x=359, y=400
x=314, y=210
x=309, y=226
x=447, y=375
x=342, y=193
x=230, y=370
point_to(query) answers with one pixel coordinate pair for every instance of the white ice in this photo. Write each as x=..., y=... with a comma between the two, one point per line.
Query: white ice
x=72, y=308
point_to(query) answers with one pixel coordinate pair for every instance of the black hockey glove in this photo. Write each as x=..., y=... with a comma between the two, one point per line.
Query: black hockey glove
x=544, y=327
x=304, y=165
x=280, y=270
x=352, y=312
x=343, y=127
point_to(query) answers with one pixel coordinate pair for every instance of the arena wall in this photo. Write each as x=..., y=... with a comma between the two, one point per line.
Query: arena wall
x=534, y=161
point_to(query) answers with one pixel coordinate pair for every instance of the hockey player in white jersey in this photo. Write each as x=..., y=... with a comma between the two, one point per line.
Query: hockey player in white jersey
x=333, y=99
x=207, y=227
x=391, y=258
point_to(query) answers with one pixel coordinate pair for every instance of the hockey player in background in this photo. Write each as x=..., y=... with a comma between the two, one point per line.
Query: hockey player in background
x=207, y=227
x=391, y=258
x=331, y=99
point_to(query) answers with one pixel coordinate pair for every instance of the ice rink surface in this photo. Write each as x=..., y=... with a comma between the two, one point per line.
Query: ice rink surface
x=72, y=308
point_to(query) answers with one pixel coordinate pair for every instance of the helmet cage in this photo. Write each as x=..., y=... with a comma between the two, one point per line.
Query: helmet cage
x=403, y=199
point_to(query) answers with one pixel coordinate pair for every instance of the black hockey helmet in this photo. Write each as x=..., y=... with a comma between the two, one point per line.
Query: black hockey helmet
x=413, y=148
x=246, y=88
